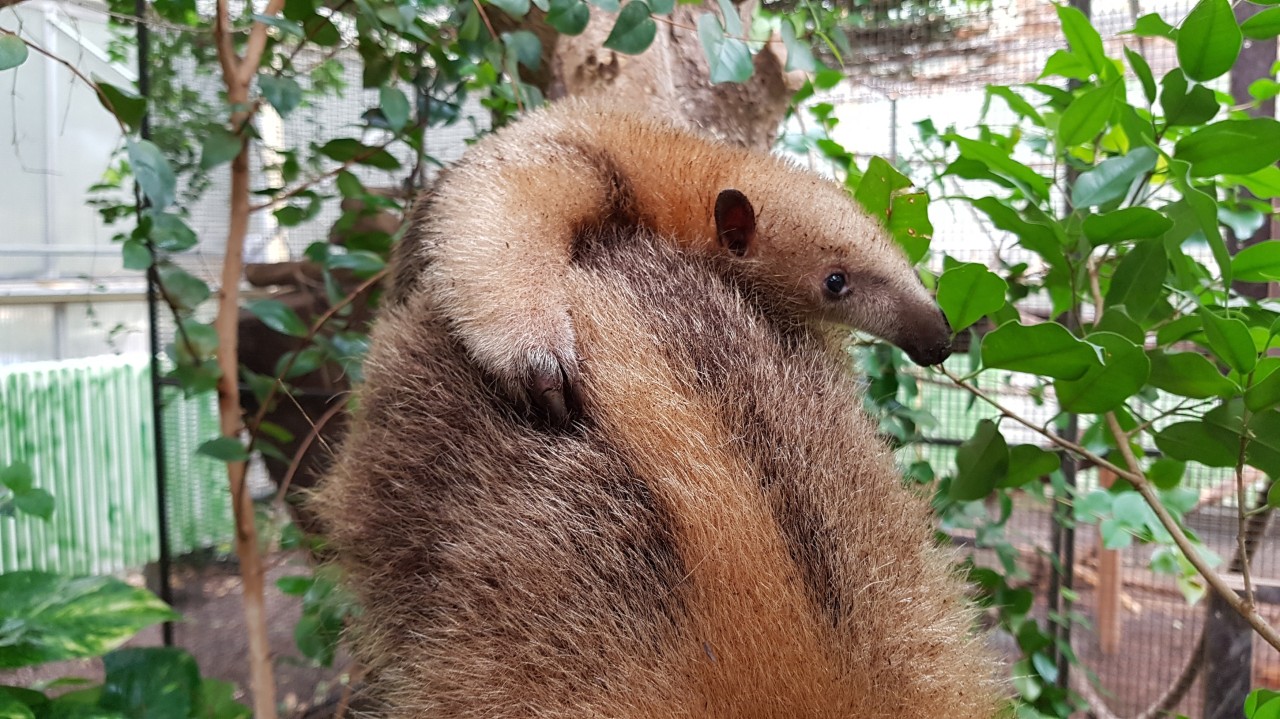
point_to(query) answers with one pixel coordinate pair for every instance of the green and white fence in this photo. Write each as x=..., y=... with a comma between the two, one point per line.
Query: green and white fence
x=85, y=426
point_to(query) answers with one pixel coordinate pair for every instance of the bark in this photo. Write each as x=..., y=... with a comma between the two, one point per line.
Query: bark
x=237, y=75
x=670, y=79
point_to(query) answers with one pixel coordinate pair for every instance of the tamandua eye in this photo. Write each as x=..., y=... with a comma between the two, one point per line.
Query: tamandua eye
x=836, y=283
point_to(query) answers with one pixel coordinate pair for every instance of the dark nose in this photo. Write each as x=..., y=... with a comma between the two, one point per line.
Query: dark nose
x=931, y=344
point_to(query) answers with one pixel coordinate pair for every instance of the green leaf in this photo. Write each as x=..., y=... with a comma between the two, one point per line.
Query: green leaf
x=1258, y=263
x=46, y=617
x=10, y=707
x=909, y=224
x=125, y=105
x=1131, y=223
x=219, y=146
x=18, y=477
x=1263, y=26
x=347, y=149
x=279, y=317
x=13, y=51
x=1000, y=163
x=875, y=189
x=1110, y=179
x=729, y=58
x=284, y=93
x=1183, y=106
x=1166, y=473
x=151, y=683
x=1139, y=279
x=517, y=9
x=1028, y=462
x=226, y=449
x=1117, y=321
x=662, y=7
x=1199, y=442
x=1048, y=349
x=1230, y=340
x=284, y=25
x=217, y=701
x=1016, y=103
x=1087, y=115
x=395, y=106
x=360, y=262
x=1066, y=64
x=1188, y=374
x=1235, y=147
x=36, y=502
x=1143, y=71
x=1152, y=25
x=181, y=287
x=1085, y=41
x=799, y=54
x=1124, y=370
x=153, y=173
x=634, y=29
x=569, y=17
x=981, y=463
x=170, y=232
x=1039, y=238
x=1263, y=395
x=968, y=292
x=1209, y=40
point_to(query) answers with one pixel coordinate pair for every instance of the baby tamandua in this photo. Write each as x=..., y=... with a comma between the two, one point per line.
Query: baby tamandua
x=499, y=231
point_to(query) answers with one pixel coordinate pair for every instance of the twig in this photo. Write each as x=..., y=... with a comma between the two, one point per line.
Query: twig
x=311, y=333
x=257, y=43
x=308, y=184
x=1143, y=486
x=515, y=81
x=124, y=130
x=312, y=434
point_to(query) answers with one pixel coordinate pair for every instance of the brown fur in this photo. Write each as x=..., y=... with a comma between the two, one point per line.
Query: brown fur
x=497, y=238
x=726, y=537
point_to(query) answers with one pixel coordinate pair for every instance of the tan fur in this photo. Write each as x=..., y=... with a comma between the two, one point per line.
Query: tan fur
x=726, y=536
x=498, y=236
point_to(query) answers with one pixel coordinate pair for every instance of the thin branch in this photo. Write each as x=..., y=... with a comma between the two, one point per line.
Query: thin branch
x=226, y=48
x=257, y=43
x=307, y=441
x=1143, y=486
x=1242, y=519
x=124, y=130
x=311, y=333
x=308, y=184
x=515, y=81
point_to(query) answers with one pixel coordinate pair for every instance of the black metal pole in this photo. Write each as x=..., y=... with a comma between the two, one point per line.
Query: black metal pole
x=153, y=312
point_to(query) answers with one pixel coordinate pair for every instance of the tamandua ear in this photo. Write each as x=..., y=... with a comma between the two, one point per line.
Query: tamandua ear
x=735, y=222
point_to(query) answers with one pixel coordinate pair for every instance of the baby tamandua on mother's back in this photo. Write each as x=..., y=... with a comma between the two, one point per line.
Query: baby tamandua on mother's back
x=499, y=231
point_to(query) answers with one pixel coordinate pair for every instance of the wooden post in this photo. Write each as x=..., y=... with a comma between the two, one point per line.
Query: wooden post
x=1110, y=585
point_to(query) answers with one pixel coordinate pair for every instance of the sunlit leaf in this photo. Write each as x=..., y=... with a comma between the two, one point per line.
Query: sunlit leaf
x=1258, y=263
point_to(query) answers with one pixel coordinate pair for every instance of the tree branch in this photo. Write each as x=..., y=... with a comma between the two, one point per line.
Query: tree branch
x=257, y=43
x=1143, y=486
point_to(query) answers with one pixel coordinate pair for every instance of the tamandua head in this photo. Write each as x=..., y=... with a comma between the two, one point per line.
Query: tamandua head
x=837, y=265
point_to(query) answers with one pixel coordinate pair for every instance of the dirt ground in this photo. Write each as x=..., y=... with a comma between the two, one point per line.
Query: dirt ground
x=212, y=630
